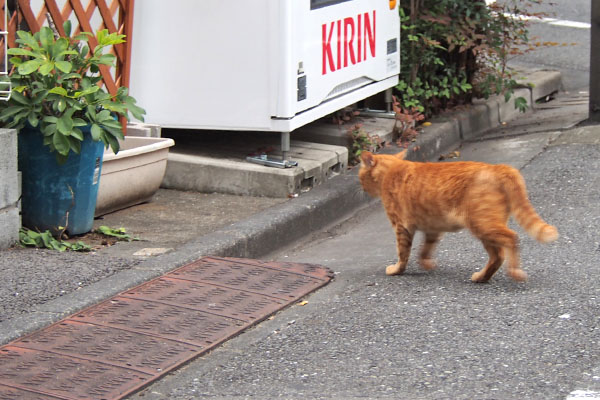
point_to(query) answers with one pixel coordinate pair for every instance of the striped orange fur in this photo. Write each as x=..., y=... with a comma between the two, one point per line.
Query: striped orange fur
x=446, y=197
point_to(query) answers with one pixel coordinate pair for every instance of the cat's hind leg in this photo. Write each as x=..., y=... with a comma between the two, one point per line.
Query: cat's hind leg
x=488, y=215
x=404, y=238
x=426, y=255
x=514, y=266
x=498, y=235
x=495, y=262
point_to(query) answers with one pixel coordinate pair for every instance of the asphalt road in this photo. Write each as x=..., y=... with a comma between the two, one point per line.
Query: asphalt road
x=435, y=335
x=571, y=32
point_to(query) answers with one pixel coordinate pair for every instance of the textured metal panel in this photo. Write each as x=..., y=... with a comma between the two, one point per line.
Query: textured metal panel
x=204, y=297
x=64, y=376
x=161, y=320
x=122, y=344
x=312, y=270
x=108, y=345
x=9, y=393
x=261, y=279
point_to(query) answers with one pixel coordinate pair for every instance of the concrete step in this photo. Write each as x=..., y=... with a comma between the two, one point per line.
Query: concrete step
x=323, y=131
x=216, y=162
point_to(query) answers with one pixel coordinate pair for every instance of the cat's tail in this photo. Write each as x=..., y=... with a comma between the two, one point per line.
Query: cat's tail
x=523, y=211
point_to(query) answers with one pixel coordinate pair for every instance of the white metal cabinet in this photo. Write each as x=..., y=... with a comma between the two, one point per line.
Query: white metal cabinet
x=268, y=65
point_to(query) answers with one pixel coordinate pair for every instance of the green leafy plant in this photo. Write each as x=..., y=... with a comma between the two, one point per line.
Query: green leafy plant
x=455, y=50
x=57, y=88
x=119, y=233
x=30, y=238
x=362, y=141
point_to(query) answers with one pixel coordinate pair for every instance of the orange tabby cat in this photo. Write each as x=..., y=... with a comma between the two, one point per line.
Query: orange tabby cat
x=447, y=197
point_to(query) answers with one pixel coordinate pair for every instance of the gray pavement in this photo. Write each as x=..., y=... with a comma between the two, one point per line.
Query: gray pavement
x=40, y=287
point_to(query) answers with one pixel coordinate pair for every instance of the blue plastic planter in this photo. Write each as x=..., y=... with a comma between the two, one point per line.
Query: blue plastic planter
x=53, y=195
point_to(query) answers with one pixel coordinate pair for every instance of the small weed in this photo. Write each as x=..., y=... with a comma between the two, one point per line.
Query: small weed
x=119, y=233
x=362, y=141
x=521, y=104
x=406, y=123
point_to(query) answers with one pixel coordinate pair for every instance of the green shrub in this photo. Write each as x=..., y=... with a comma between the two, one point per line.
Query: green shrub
x=455, y=50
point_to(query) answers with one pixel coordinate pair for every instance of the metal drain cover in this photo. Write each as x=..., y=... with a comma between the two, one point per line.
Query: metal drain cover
x=122, y=344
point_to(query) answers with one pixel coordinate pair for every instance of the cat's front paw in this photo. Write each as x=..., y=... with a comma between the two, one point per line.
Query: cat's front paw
x=427, y=264
x=394, y=269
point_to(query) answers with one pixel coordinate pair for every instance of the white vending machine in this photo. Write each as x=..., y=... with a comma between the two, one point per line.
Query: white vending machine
x=260, y=65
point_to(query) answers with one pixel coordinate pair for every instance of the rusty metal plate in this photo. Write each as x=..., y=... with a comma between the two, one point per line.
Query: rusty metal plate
x=163, y=321
x=10, y=393
x=110, y=350
x=236, y=274
x=108, y=345
x=223, y=301
x=63, y=376
x=312, y=270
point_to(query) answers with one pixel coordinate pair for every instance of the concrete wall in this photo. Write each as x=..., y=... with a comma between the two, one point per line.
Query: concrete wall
x=9, y=189
x=143, y=130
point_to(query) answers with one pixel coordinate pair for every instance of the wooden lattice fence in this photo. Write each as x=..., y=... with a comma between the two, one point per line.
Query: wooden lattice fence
x=85, y=16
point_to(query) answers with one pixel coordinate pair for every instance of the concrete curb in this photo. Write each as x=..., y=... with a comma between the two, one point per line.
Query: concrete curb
x=282, y=225
x=448, y=130
x=10, y=192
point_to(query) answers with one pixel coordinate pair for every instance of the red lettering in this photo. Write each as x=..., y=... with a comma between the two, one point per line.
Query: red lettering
x=358, y=40
x=369, y=34
x=339, y=44
x=349, y=42
x=327, y=54
x=359, y=44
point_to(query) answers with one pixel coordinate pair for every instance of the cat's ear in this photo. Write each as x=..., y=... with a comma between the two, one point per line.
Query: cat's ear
x=401, y=155
x=367, y=158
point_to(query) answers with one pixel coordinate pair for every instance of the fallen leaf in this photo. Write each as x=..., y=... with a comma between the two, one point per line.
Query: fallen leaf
x=303, y=303
x=454, y=154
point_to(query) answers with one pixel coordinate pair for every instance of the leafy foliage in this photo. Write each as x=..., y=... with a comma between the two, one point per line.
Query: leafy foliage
x=120, y=233
x=30, y=238
x=406, y=123
x=453, y=50
x=57, y=87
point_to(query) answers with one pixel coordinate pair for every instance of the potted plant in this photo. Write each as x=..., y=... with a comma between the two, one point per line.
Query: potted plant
x=65, y=120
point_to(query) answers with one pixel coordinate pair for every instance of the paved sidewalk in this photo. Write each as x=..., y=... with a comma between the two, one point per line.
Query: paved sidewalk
x=40, y=287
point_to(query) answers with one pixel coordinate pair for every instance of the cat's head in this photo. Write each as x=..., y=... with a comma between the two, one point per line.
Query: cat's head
x=373, y=167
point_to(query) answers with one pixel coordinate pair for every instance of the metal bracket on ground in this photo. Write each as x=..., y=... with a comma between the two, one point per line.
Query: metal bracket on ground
x=264, y=159
x=387, y=113
x=367, y=112
x=271, y=162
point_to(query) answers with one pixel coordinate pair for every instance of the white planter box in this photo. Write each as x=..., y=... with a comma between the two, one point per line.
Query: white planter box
x=134, y=174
